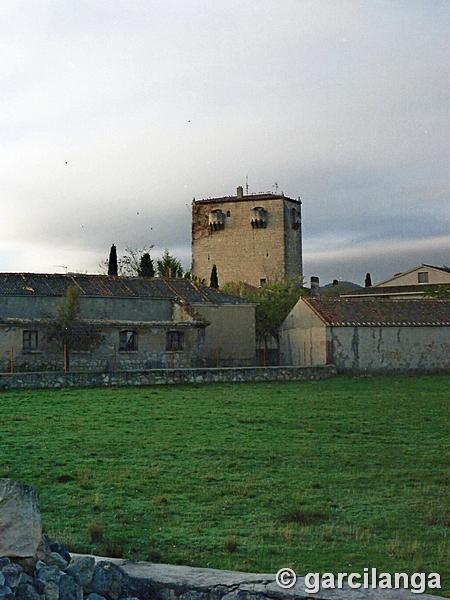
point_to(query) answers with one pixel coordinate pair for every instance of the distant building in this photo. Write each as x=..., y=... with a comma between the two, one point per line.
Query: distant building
x=144, y=323
x=418, y=282
x=368, y=335
x=253, y=238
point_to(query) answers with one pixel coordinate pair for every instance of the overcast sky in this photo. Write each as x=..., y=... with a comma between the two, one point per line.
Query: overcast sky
x=115, y=114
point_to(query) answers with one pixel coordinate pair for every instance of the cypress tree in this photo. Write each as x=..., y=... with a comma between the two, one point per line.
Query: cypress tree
x=146, y=268
x=112, y=261
x=368, y=281
x=214, y=281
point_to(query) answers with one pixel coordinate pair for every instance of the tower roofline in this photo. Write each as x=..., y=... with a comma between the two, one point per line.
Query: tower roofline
x=247, y=198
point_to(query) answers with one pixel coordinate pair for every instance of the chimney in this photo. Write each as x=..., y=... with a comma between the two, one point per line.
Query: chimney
x=314, y=286
x=239, y=191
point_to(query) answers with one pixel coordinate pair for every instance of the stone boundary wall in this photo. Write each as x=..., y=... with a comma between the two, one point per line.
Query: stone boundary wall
x=151, y=581
x=85, y=379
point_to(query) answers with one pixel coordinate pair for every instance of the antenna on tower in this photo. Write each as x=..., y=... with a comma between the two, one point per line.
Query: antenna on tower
x=246, y=185
x=275, y=185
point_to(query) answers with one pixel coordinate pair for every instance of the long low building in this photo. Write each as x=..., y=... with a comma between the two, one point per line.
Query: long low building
x=368, y=335
x=140, y=323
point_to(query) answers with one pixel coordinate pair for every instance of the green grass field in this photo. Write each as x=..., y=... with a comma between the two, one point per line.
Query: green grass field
x=318, y=476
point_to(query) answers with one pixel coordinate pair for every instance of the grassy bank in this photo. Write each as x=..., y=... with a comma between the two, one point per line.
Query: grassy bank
x=319, y=476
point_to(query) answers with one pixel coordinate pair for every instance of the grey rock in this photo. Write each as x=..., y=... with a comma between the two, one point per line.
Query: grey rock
x=6, y=593
x=20, y=519
x=51, y=590
x=3, y=562
x=25, y=578
x=56, y=560
x=82, y=570
x=95, y=596
x=46, y=574
x=2, y=579
x=107, y=580
x=69, y=588
x=60, y=549
x=25, y=591
x=12, y=574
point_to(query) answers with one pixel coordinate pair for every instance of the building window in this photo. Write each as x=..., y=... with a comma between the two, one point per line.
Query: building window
x=128, y=341
x=228, y=213
x=30, y=341
x=259, y=218
x=295, y=219
x=174, y=341
x=216, y=220
x=422, y=277
x=262, y=281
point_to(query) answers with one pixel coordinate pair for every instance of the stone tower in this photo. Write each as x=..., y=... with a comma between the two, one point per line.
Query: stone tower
x=254, y=238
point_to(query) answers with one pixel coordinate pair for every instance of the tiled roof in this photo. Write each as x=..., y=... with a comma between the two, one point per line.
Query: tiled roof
x=395, y=289
x=368, y=313
x=182, y=290
x=249, y=197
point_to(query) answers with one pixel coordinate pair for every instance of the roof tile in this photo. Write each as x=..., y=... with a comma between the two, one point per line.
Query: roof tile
x=181, y=290
x=382, y=312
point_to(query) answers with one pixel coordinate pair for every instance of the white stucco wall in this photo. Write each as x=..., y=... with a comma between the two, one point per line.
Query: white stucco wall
x=390, y=348
x=303, y=339
x=230, y=335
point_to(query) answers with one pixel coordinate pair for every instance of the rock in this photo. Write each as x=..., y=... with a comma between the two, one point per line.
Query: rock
x=69, y=588
x=56, y=560
x=61, y=550
x=12, y=574
x=82, y=570
x=107, y=580
x=6, y=593
x=20, y=519
x=25, y=578
x=45, y=574
x=29, y=564
x=94, y=596
x=51, y=591
x=2, y=579
x=25, y=591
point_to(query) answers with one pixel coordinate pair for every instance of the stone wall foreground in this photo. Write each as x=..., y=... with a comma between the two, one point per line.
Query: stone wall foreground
x=55, y=380
x=171, y=582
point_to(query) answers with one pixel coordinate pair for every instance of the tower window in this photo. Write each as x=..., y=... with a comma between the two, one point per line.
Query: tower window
x=228, y=213
x=295, y=219
x=216, y=220
x=259, y=218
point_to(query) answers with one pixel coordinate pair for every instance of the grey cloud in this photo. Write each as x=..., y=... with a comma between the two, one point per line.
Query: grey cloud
x=151, y=103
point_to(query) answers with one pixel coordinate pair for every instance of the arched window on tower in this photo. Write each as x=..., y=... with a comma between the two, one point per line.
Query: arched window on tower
x=259, y=218
x=216, y=220
x=295, y=219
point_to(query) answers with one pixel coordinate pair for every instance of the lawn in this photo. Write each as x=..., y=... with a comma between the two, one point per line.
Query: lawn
x=319, y=476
